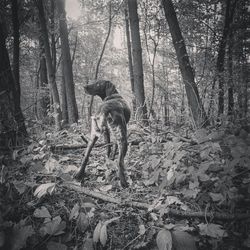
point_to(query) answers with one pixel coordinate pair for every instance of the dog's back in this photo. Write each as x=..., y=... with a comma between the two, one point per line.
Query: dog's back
x=115, y=104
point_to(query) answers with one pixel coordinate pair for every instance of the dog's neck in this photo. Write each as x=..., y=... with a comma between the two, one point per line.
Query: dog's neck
x=113, y=96
x=106, y=95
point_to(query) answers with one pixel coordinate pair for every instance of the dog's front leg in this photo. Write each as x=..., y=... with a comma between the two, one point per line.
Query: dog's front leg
x=80, y=175
x=95, y=133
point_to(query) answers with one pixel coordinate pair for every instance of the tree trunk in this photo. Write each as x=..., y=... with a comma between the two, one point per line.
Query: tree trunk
x=51, y=72
x=100, y=58
x=130, y=62
x=230, y=76
x=8, y=130
x=52, y=36
x=64, y=105
x=137, y=60
x=16, y=43
x=221, y=53
x=43, y=90
x=152, y=63
x=187, y=73
x=67, y=64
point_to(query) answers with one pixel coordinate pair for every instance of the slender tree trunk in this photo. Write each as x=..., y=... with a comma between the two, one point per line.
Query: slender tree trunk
x=43, y=76
x=101, y=55
x=152, y=64
x=130, y=61
x=221, y=53
x=230, y=76
x=16, y=57
x=74, y=50
x=49, y=63
x=67, y=64
x=64, y=105
x=52, y=36
x=16, y=44
x=187, y=73
x=8, y=130
x=137, y=60
x=43, y=91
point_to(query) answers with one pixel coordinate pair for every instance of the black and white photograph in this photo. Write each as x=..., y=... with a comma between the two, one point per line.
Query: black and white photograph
x=124, y=124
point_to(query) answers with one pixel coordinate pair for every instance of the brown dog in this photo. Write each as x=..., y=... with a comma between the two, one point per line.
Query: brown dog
x=112, y=116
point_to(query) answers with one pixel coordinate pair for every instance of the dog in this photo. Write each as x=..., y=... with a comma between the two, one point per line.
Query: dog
x=112, y=117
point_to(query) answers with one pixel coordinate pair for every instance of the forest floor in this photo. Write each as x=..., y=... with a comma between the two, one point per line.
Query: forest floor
x=187, y=190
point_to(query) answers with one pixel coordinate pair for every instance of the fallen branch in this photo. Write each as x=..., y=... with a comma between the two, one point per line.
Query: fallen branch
x=169, y=211
x=61, y=147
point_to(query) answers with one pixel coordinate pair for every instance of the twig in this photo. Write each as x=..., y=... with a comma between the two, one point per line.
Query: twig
x=84, y=139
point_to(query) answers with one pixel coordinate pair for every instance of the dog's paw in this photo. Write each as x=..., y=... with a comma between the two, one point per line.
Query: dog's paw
x=78, y=176
x=124, y=184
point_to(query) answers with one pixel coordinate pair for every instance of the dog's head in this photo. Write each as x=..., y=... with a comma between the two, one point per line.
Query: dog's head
x=101, y=88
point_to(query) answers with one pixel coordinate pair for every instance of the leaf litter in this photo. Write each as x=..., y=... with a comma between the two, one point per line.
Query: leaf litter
x=184, y=191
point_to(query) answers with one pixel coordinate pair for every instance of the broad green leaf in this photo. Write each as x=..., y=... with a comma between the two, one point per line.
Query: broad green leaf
x=142, y=229
x=42, y=213
x=216, y=197
x=44, y=189
x=82, y=222
x=53, y=227
x=52, y=165
x=212, y=230
x=20, y=186
x=164, y=240
x=74, y=212
x=103, y=235
x=96, y=234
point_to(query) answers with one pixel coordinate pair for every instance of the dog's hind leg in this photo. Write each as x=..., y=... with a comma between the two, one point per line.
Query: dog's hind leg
x=106, y=135
x=114, y=151
x=120, y=132
x=122, y=147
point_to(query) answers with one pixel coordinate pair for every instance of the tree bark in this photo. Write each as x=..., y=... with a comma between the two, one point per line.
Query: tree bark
x=43, y=90
x=221, y=53
x=51, y=72
x=64, y=105
x=8, y=130
x=16, y=56
x=67, y=64
x=53, y=32
x=195, y=105
x=137, y=61
x=230, y=76
x=130, y=61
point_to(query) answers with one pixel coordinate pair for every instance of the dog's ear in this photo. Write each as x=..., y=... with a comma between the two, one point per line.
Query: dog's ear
x=110, y=88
